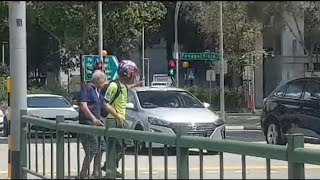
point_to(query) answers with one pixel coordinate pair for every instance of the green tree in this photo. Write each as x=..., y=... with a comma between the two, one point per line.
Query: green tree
x=74, y=24
x=309, y=11
x=123, y=24
x=241, y=33
x=3, y=17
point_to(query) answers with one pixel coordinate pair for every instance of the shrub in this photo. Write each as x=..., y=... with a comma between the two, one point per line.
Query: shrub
x=234, y=98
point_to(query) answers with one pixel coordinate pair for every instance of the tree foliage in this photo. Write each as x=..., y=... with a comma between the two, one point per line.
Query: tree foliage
x=74, y=24
x=241, y=33
x=3, y=17
x=308, y=34
x=123, y=24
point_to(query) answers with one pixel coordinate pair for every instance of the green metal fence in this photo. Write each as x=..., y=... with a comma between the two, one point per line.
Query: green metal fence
x=294, y=152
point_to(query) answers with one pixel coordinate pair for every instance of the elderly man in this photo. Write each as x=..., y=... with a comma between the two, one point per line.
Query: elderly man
x=91, y=101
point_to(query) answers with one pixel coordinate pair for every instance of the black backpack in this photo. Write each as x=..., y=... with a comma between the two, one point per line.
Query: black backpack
x=103, y=91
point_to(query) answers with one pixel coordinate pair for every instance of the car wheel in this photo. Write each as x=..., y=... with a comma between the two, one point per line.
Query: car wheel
x=5, y=127
x=274, y=134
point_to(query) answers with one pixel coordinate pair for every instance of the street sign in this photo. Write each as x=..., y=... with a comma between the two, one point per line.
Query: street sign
x=162, y=78
x=110, y=65
x=217, y=65
x=190, y=73
x=210, y=75
x=205, y=56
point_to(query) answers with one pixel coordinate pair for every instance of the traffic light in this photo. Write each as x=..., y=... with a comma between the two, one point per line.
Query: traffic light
x=172, y=68
x=104, y=53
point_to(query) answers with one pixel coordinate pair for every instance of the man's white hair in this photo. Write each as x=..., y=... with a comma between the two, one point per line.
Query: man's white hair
x=97, y=75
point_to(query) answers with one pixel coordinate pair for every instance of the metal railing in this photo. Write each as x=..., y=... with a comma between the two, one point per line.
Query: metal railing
x=294, y=153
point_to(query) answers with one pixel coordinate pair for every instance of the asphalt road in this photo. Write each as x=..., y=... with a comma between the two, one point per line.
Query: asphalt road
x=232, y=163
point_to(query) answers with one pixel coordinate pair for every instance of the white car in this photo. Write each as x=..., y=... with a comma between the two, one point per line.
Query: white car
x=164, y=109
x=49, y=106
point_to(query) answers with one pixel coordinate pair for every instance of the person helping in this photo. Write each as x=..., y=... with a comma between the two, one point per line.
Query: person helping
x=116, y=95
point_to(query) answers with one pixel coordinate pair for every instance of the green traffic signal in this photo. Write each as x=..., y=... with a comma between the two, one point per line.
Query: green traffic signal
x=172, y=72
x=172, y=68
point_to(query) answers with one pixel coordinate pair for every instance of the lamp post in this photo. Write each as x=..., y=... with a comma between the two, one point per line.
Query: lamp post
x=100, y=45
x=142, y=48
x=222, y=108
x=148, y=70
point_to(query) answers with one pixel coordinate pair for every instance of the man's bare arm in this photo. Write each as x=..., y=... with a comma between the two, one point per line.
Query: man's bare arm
x=136, y=84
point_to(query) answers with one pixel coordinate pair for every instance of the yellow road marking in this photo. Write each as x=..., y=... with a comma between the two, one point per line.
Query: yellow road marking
x=210, y=168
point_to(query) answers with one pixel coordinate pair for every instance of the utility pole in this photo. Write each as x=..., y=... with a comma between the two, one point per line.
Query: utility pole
x=100, y=45
x=253, y=83
x=18, y=73
x=176, y=45
x=222, y=111
x=143, y=70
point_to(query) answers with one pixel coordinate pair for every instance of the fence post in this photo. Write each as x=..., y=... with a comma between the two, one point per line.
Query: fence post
x=111, y=154
x=23, y=146
x=182, y=155
x=295, y=170
x=59, y=149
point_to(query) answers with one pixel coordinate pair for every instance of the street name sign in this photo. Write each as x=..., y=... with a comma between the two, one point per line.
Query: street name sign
x=204, y=56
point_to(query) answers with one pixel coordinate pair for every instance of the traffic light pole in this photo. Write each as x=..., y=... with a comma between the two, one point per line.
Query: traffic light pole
x=143, y=64
x=18, y=73
x=176, y=45
x=100, y=31
x=222, y=110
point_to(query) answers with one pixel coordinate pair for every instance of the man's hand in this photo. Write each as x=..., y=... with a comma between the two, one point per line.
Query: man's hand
x=135, y=84
x=120, y=120
x=97, y=122
x=139, y=83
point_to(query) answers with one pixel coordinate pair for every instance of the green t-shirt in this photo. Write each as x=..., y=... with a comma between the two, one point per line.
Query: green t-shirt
x=120, y=102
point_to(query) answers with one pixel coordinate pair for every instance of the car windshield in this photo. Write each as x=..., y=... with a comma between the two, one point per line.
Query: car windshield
x=47, y=102
x=168, y=99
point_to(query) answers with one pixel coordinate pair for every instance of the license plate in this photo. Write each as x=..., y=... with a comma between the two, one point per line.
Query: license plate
x=194, y=134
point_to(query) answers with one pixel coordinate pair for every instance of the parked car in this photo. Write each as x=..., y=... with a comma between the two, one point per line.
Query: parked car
x=293, y=107
x=1, y=120
x=48, y=106
x=164, y=109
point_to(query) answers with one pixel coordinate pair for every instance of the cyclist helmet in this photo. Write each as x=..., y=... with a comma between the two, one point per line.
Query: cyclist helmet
x=127, y=69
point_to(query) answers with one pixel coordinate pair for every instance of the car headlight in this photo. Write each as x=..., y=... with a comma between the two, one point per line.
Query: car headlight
x=218, y=122
x=158, y=122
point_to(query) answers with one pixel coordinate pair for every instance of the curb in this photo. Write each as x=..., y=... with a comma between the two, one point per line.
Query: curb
x=243, y=127
x=243, y=114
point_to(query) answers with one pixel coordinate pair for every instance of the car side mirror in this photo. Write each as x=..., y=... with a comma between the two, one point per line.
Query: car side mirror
x=75, y=106
x=130, y=106
x=206, y=105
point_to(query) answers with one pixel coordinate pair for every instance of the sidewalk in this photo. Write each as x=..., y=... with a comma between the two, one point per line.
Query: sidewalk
x=243, y=122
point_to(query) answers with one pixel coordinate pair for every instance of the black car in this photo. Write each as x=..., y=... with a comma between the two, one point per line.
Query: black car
x=294, y=107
